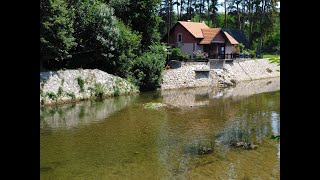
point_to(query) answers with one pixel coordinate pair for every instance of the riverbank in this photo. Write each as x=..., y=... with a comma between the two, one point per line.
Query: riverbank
x=58, y=87
x=218, y=73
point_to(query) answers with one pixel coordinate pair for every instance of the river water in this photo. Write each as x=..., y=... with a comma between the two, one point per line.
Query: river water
x=118, y=138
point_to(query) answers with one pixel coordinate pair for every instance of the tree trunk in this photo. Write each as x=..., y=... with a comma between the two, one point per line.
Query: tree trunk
x=238, y=14
x=225, y=13
x=243, y=15
x=180, y=10
x=260, y=41
x=208, y=12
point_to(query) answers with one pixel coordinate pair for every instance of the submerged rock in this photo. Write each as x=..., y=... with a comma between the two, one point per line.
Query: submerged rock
x=151, y=105
x=205, y=150
x=244, y=145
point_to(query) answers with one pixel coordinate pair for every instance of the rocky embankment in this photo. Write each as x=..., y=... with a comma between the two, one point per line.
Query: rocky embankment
x=74, y=85
x=218, y=73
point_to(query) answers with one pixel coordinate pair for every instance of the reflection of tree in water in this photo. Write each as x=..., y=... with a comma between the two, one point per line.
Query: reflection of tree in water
x=256, y=121
x=71, y=115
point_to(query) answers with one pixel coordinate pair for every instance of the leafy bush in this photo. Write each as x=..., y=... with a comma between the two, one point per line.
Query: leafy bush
x=148, y=67
x=176, y=54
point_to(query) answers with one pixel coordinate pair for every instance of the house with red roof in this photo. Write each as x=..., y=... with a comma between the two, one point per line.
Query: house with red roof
x=195, y=36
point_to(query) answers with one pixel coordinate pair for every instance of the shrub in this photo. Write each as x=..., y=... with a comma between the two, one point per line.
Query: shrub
x=176, y=54
x=98, y=90
x=60, y=91
x=148, y=67
x=81, y=83
x=52, y=95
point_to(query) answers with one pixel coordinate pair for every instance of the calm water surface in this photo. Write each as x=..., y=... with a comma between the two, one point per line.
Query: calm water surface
x=119, y=139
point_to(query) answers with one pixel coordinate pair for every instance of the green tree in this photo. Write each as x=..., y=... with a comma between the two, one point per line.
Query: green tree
x=141, y=16
x=56, y=29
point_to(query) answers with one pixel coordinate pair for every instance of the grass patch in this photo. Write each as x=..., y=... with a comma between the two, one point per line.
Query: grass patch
x=81, y=83
x=98, y=90
x=72, y=95
x=60, y=91
x=52, y=95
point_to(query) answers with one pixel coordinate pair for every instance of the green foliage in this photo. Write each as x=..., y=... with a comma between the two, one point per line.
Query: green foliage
x=60, y=91
x=56, y=29
x=241, y=46
x=148, y=67
x=127, y=48
x=273, y=58
x=272, y=42
x=275, y=137
x=72, y=95
x=52, y=95
x=98, y=90
x=81, y=83
x=141, y=16
x=176, y=54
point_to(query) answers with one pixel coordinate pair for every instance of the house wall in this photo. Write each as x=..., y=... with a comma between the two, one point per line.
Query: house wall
x=228, y=47
x=187, y=37
x=219, y=37
x=189, y=42
x=187, y=48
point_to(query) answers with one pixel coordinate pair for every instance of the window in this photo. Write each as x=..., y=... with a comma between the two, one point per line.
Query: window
x=179, y=37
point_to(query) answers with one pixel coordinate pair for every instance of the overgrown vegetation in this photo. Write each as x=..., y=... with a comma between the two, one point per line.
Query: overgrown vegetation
x=81, y=83
x=52, y=95
x=60, y=91
x=176, y=54
x=98, y=90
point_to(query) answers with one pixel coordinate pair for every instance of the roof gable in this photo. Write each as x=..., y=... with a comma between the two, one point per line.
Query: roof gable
x=195, y=28
x=209, y=34
x=230, y=38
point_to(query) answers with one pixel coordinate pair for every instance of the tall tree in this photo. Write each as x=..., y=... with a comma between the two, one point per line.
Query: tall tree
x=225, y=14
x=214, y=9
x=56, y=29
x=141, y=16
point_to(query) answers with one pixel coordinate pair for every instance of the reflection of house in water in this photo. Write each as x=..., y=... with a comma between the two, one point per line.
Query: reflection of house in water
x=72, y=115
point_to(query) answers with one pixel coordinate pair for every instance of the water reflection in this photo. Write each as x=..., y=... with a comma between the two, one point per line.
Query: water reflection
x=72, y=115
x=131, y=142
x=200, y=96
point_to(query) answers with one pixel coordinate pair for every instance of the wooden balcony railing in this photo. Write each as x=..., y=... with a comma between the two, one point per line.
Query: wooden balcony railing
x=224, y=56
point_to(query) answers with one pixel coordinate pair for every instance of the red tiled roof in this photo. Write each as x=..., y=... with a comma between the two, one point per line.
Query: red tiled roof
x=194, y=28
x=209, y=34
x=231, y=39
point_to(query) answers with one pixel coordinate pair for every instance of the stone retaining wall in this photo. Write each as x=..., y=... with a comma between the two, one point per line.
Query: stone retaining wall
x=65, y=86
x=186, y=76
x=220, y=73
